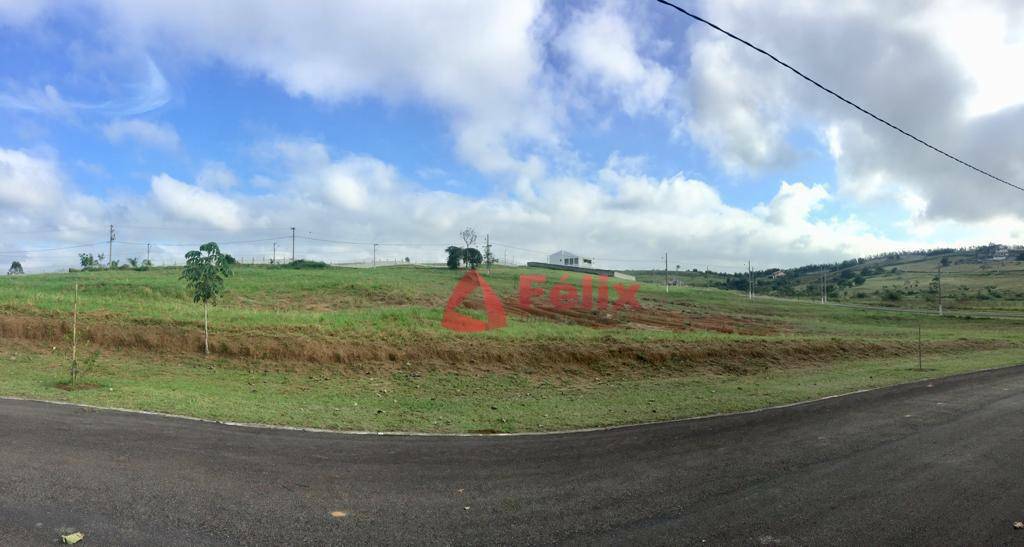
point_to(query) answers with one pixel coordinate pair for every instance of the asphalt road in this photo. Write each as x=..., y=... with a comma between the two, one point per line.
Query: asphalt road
x=928, y=463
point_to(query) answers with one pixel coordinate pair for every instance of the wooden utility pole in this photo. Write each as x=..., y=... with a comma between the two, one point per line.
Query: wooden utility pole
x=940, y=288
x=487, y=249
x=293, y=244
x=110, y=247
x=824, y=284
x=750, y=281
x=147, y=252
x=666, y=272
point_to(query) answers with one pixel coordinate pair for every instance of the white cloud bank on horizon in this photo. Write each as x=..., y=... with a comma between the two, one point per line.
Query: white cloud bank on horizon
x=618, y=214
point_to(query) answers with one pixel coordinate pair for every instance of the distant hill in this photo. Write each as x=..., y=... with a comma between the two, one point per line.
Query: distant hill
x=990, y=277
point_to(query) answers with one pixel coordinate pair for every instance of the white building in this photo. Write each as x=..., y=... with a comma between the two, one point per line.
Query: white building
x=565, y=258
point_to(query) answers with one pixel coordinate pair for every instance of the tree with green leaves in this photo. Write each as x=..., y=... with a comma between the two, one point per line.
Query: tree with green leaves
x=15, y=268
x=88, y=261
x=472, y=257
x=204, y=272
x=454, y=256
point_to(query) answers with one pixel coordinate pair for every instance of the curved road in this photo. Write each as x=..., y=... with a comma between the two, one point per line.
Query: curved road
x=928, y=463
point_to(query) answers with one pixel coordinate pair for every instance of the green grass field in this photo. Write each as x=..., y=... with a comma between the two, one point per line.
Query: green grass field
x=364, y=349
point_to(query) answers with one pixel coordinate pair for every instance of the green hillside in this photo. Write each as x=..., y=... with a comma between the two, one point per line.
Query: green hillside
x=967, y=280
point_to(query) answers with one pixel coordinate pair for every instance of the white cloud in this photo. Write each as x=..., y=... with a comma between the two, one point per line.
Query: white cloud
x=894, y=59
x=617, y=213
x=481, y=67
x=156, y=135
x=28, y=181
x=137, y=96
x=216, y=176
x=46, y=100
x=38, y=205
x=20, y=11
x=602, y=44
x=351, y=182
x=985, y=41
x=190, y=203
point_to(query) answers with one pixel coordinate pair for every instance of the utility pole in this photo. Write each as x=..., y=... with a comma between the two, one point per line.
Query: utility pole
x=940, y=288
x=750, y=281
x=110, y=247
x=487, y=248
x=274, y=259
x=293, y=243
x=147, y=252
x=821, y=286
x=375, y=254
x=824, y=281
x=666, y=272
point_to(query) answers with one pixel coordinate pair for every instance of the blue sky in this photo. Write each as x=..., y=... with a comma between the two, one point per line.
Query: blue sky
x=613, y=129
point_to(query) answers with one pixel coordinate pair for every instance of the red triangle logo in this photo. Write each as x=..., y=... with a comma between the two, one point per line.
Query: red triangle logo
x=455, y=321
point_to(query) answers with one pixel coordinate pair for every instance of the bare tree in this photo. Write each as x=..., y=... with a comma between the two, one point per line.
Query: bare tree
x=469, y=236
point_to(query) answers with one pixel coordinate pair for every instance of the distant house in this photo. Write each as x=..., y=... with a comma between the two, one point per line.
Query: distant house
x=994, y=253
x=565, y=258
x=778, y=273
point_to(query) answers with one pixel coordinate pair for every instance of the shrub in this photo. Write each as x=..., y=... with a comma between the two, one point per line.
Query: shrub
x=303, y=264
x=892, y=295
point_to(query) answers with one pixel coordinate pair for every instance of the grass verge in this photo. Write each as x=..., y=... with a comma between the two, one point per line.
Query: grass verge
x=450, y=402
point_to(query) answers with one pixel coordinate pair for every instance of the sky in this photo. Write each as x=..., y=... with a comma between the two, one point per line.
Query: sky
x=612, y=129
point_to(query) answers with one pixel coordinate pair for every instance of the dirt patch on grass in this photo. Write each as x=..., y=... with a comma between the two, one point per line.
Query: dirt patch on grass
x=315, y=351
x=346, y=297
x=80, y=386
x=649, y=317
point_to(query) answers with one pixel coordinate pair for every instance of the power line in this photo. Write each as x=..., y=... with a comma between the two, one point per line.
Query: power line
x=413, y=244
x=339, y=242
x=837, y=95
x=27, y=251
x=221, y=243
x=520, y=248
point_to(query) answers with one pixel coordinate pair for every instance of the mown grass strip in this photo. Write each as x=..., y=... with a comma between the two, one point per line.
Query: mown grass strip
x=448, y=402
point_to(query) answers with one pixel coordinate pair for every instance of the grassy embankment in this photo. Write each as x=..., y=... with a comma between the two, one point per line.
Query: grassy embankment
x=363, y=349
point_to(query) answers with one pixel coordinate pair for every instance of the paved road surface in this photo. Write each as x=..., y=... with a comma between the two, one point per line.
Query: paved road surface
x=927, y=464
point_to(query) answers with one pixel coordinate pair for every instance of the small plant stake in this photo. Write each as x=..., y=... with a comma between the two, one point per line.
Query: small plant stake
x=74, y=342
x=919, y=346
